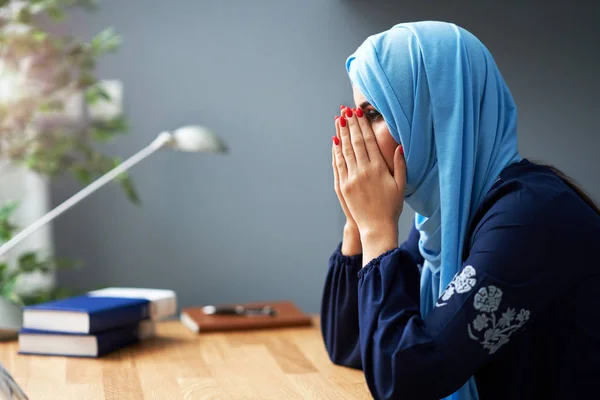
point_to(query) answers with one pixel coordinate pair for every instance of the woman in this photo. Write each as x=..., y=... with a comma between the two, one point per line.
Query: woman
x=495, y=293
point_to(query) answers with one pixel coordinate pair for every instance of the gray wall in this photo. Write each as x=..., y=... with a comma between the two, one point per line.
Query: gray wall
x=268, y=76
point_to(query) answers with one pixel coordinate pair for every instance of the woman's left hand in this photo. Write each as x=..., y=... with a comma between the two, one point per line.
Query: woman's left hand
x=373, y=195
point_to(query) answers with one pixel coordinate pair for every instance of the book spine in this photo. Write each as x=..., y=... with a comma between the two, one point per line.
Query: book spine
x=109, y=319
x=116, y=339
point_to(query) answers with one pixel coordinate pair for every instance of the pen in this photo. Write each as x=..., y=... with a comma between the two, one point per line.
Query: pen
x=239, y=310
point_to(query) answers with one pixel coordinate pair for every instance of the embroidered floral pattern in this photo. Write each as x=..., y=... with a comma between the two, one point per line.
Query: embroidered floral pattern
x=487, y=301
x=480, y=323
x=462, y=283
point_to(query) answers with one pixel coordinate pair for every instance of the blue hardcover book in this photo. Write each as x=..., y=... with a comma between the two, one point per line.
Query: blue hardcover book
x=51, y=343
x=100, y=310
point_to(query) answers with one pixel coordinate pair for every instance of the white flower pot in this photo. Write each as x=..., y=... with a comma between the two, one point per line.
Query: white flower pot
x=31, y=191
x=11, y=319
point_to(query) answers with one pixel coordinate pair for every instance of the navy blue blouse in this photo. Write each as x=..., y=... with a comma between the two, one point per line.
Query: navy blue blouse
x=522, y=316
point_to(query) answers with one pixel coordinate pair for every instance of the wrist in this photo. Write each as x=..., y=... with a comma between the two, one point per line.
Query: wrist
x=350, y=228
x=377, y=240
x=351, y=244
x=384, y=232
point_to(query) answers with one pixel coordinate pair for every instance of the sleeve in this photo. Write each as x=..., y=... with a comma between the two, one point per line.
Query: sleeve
x=339, y=307
x=508, y=278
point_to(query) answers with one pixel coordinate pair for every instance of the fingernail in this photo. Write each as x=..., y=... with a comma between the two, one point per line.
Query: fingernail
x=343, y=122
x=348, y=112
x=401, y=150
x=342, y=107
x=359, y=112
x=336, y=141
x=336, y=117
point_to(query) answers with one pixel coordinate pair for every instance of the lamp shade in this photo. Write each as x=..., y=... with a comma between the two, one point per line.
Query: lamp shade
x=195, y=138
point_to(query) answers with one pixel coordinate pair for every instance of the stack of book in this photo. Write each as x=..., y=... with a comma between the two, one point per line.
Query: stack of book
x=96, y=323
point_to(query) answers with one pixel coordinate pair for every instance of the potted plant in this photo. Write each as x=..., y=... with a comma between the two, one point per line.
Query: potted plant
x=47, y=91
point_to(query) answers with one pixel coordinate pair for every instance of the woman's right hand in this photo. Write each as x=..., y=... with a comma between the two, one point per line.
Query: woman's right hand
x=351, y=244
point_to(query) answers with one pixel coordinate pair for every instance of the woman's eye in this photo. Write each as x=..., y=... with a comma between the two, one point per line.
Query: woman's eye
x=372, y=115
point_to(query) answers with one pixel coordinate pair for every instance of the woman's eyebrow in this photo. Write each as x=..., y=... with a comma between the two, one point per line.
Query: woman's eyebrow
x=364, y=104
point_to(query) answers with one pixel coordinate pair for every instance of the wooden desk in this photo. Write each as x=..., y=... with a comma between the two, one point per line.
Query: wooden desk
x=281, y=364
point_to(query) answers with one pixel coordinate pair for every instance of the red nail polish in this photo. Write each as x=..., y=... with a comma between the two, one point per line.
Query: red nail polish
x=359, y=112
x=401, y=150
x=343, y=122
x=336, y=141
x=342, y=107
x=348, y=112
x=336, y=117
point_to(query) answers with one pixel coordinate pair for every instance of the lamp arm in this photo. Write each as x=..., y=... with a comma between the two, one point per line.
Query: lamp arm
x=158, y=143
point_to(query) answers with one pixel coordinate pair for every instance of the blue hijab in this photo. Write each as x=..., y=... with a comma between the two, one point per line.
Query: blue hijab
x=444, y=99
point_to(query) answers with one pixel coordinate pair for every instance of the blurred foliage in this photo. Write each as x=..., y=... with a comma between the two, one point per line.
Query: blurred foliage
x=41, y=73
x=27, y=263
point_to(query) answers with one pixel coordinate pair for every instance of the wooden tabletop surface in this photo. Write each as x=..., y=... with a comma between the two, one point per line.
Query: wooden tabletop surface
x=268, y=364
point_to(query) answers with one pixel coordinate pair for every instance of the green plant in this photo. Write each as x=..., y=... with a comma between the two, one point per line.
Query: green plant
x=40, y=73
x=27, y=263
